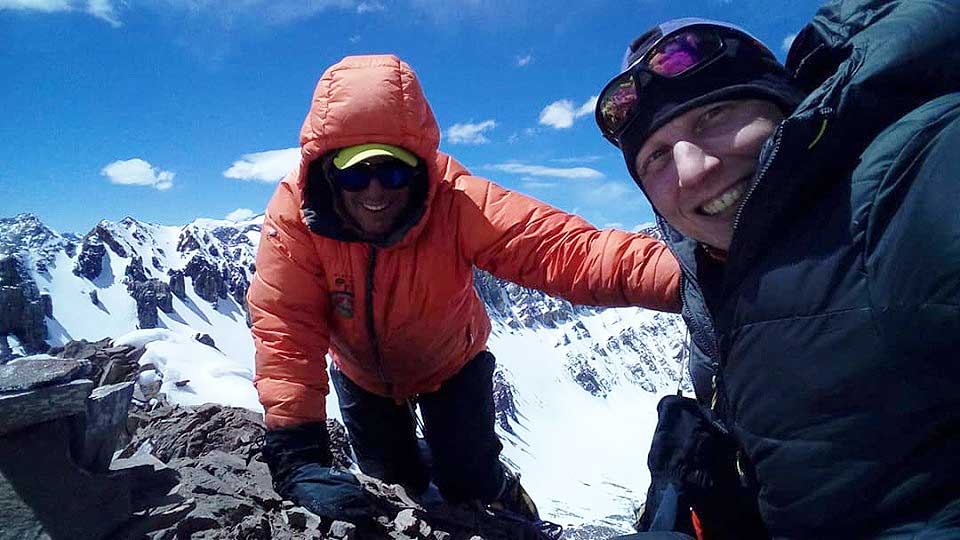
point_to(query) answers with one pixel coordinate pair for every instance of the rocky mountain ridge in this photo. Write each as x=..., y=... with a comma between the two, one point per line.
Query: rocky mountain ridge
x=591, y=372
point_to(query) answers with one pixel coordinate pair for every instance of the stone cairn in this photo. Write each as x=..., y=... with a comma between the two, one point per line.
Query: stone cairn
x=87, y=452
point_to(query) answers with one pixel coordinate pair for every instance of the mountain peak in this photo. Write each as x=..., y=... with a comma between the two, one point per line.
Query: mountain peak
x=25, y=232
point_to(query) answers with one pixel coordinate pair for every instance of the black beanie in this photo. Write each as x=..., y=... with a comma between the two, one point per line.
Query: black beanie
x=747, y=71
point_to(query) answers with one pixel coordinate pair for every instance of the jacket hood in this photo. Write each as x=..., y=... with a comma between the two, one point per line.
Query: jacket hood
x=366, y=99
x=867, y=63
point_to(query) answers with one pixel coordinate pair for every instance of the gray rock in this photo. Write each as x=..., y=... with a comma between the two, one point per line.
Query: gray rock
x=205, y=339
x=105, y=235
x=6, y=353
x=192, y=432
x=117, y=370
x=19, y=410
x=208, y=283
x=301, y=519
x=407, y=523
x=94, y=298
x=150, y=295
x=46, y=302
x=19, y=520
x=504, y=404
x=135, y=271
x=66, y=501
x=177, y=285
x=22, y=311
x=106, y=418
x=28, y=373
x=82, y=349
x=90, y=261
x=341, y=530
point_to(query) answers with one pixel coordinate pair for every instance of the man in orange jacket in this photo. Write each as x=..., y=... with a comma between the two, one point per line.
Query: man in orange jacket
x=367, y=253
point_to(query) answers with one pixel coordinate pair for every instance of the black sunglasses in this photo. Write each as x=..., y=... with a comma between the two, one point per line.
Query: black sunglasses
x=392, y=174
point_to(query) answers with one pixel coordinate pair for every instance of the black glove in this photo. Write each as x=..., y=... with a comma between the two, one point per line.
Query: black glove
x=693, y=464
x=300, y=461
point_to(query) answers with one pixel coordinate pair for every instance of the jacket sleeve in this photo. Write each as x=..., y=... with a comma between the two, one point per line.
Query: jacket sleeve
x=288, y=304
x=530, y=243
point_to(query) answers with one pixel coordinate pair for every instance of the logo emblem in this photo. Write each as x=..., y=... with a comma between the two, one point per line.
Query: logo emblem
x=343, y=303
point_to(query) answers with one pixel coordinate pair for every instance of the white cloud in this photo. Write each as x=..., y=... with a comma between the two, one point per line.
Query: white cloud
x=269, y=166
x=588, y=107
x=787, y=42
x=578, y=159
x=614, y=225
x=370, y=7
x=256, y=11
x=530, y=184
x=578, y=173
x=137, y=172
x=558, y=115
x=524, y=61
x=612, y=194
x=36, y=5
x=241, y=214
x=101, y=9
x=469, y=133
x=561, y=113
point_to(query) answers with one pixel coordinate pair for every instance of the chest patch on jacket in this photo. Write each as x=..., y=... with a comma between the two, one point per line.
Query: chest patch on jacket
x=342, y=298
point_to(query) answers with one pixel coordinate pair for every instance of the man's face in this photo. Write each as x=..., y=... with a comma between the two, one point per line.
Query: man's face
x=375, y=211
x=697, y=168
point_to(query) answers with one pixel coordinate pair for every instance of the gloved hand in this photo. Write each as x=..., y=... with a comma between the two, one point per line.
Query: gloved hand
x=300, y=461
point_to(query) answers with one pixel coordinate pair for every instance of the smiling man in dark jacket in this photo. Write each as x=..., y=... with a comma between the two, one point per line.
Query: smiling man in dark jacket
x=815, y=210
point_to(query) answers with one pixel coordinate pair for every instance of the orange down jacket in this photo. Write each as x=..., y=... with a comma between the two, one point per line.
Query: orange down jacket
x=400, y=319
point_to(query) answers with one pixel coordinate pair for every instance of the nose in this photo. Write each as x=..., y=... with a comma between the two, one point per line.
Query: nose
x=375, y=187
x=693, y=163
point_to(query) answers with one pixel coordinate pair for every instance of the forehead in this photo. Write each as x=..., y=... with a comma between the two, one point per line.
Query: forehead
x=745, y=110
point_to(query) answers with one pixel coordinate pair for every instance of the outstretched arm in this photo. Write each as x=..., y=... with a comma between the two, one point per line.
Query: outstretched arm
x=528, y=242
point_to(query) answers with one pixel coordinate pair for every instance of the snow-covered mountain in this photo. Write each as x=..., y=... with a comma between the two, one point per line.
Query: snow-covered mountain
x=576, y=387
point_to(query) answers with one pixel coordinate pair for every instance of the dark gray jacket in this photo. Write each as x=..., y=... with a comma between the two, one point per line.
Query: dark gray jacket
x=829, y=342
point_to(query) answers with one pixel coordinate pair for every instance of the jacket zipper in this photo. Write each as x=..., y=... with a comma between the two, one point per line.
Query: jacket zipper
x=766, y=166
x=371, y=327
x=717, y=378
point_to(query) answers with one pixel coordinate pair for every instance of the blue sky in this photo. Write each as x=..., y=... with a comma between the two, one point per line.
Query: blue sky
x=169, y=110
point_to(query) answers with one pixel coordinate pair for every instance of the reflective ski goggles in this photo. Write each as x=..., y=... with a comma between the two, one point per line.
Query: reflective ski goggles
x=392, y=174
x=676, y=57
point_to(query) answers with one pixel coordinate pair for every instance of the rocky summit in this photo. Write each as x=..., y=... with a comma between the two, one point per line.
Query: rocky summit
x=91, y=461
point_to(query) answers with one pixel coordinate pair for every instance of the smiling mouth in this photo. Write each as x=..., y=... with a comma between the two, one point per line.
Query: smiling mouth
x=726, y=199
x=375, y=207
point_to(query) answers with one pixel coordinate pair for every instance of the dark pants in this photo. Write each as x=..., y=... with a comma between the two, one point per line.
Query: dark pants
x=458, y=422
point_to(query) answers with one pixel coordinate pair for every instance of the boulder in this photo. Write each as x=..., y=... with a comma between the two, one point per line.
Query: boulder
x=105, y=420
x=205, y=339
